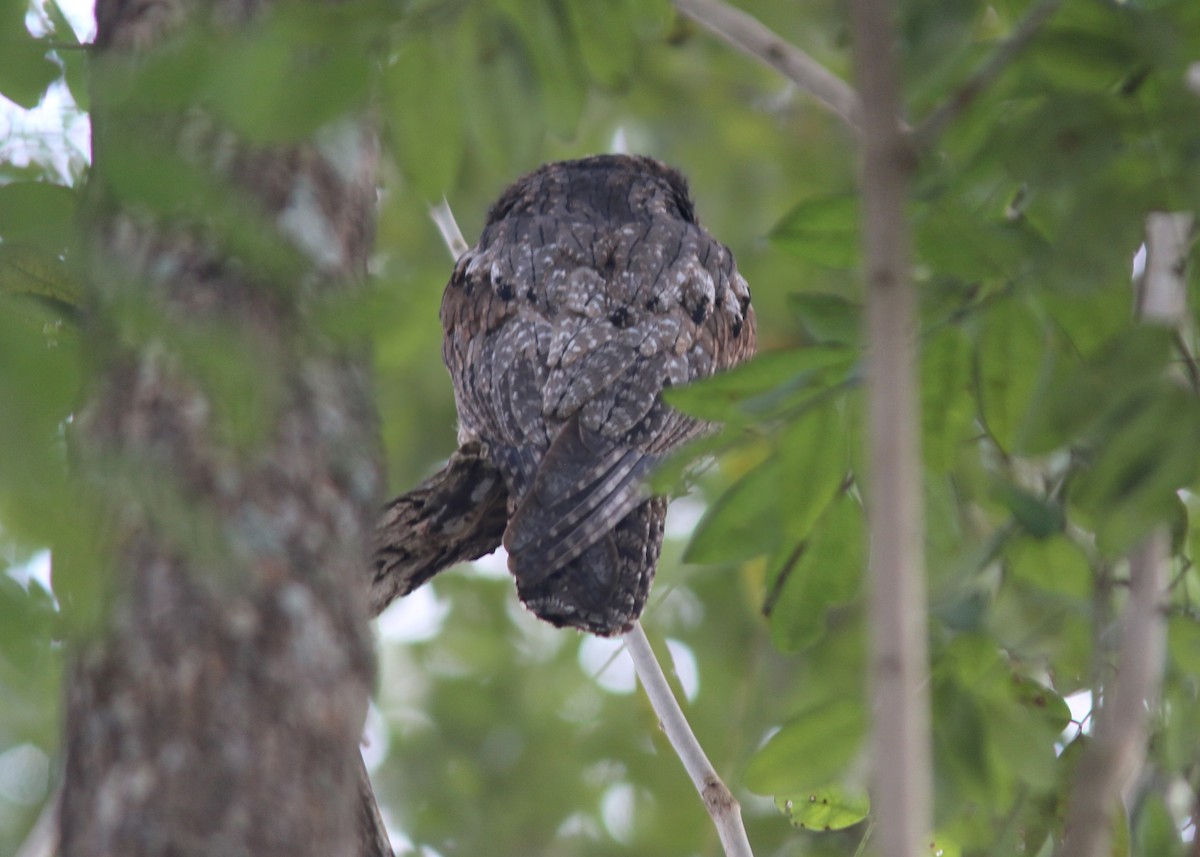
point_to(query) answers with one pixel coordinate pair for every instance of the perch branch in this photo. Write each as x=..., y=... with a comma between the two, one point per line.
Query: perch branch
x=927, y=132
x=456, y=515
x=718, y=800
x=443, y=218
x=752, y=37
x=899, y=656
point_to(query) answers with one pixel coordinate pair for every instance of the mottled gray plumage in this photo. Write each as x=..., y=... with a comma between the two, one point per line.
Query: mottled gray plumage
x=591, y=289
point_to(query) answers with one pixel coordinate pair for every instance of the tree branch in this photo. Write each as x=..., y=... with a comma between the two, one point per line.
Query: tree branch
x=456, y=515
x=443, y=218
x=1115, y=756
x=899, y=658
x=752, y=37
x=932, y=127
x=722, y=806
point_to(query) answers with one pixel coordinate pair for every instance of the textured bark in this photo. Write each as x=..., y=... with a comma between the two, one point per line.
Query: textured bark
x=216, y=707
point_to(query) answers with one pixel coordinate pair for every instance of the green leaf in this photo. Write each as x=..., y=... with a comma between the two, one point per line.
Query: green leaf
x=38, y=213
x=25, y=72
x=829, y=808
x=1055, y=564
x=744, y=521
x=426, y=124
x=284, y=80
x=828, y=318
x=813, y=461
x=758, y=386
x=812, y=750
x=1038, y=516
x=1078, y=397
x=1148, y=452
x=506, y=120
x=1183, y=643
x=604, y=31
x=543, y=32
x=1074, y=58
x=1009, y=352
x=953, y=239
x=1156, y=833
x=31, y=271
x=822, y=230
x=947, y=411
x=825, y=572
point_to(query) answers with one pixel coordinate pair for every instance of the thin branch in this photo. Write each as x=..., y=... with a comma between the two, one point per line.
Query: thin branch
x=752, y=37
x=932, y=127
x=1115, y=756
x=718, y=800
x=1161, y=294
x=1113, y=760
x=443, y=218
x=899, y=646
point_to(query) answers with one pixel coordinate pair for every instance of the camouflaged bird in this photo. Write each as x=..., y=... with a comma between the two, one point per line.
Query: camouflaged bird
x=591, y=289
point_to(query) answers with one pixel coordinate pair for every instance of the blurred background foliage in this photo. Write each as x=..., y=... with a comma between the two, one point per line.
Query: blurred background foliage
x=1055, y=431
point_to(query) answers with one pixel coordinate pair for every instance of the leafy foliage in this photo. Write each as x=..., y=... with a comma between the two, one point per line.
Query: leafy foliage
x=1057, y=431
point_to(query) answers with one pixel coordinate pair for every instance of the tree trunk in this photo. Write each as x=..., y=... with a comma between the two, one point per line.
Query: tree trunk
x=216, y=705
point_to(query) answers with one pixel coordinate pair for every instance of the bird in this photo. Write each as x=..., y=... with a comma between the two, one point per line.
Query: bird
x=592, y=289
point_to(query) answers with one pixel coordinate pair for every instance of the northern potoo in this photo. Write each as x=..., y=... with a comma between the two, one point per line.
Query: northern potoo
x=591, y=289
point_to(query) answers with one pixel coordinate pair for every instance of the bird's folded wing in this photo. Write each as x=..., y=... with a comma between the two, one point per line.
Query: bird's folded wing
x=585, y=485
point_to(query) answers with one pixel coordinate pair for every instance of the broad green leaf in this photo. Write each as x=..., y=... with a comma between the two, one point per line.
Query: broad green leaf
x=1148, y=452
x=822, y=230
x=1038, y=516
x=996, y=729
x=954, y=240
x=1009, y=352
x=828, y=318
x=35, y=272
x=426, y=123
x=1077, y=59
x=1183, y=643
x=506, y=119
x=1077, y=397
x=25, y=71
x=829, y=808
x=947, y=411
x=743, y=522
x=763, y=384
x=1055, y=564
x=552, y=53
x=283, y=81
x=824, y=572
x=38, y=213
x=1156, y=833
x=812, y=750
x=813, y=461
x=604, y=32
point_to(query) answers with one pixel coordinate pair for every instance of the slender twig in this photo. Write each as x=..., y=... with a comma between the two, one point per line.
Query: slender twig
x=1113, y=759
x=899, y=648
x=752, y=37
x=718, y=800
x=443, y=218
x=930, y=128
